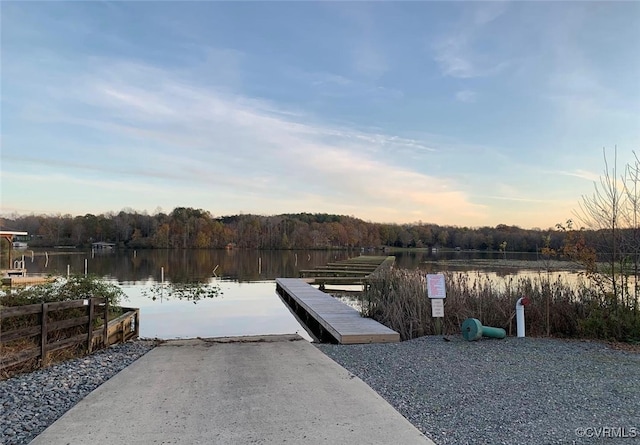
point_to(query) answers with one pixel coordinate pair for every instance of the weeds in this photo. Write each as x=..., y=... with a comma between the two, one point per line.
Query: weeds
x=397, y=298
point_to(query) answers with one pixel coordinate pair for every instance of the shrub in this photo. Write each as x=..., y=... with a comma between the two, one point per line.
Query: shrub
x=75, y=287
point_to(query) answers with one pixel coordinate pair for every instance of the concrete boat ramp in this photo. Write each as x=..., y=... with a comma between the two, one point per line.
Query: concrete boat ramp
x=247, y=390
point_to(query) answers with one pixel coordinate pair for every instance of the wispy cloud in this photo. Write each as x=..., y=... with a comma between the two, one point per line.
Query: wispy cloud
x=323, y=79
x=589, y=176
x=186, y=133
x=345, y=117
x=326, y=84
x=368, y=59
x=517, y=198
x=466, y=96
x=487, y=12
x=457, y=53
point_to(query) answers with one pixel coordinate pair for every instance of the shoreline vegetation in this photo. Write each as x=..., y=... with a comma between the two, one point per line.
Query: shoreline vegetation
x=558, y=308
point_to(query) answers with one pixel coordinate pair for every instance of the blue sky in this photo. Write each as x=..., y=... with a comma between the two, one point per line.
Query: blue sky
x=460, y=113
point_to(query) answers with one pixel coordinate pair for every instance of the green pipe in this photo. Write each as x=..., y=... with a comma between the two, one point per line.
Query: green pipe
x=493, y=332
x=473, y=330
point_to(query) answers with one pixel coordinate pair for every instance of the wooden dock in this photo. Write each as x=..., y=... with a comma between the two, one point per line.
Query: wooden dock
x=355, y=270
x=327, y=315
x=22, y=280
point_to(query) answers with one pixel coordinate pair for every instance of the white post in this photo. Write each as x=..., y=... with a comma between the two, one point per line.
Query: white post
x=68, y=271
x=86, y=264
x=520, y=317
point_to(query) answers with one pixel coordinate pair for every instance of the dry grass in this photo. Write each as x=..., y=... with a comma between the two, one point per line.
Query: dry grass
x=12, y=348
x=397, y=298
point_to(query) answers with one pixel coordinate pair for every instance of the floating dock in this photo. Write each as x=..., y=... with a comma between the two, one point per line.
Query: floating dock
x=355, y=270
x=17, y=277
x=330, y=318
x=27, y=279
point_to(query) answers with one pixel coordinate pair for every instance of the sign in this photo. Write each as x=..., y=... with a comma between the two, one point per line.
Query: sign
x=437, y=307
x=435, y=286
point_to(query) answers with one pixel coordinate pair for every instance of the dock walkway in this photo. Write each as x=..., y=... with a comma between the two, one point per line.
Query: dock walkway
x=342, y=322
x=354, y=271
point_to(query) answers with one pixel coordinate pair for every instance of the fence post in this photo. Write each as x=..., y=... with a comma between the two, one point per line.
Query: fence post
x=90, y=327
x=43, y=335
x=106, y=322
x=136, y=319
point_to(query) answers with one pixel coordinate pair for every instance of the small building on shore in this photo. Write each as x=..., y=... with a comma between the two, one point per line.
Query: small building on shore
x=101, y=245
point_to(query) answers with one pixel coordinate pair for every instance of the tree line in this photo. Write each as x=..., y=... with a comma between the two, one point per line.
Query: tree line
x=189, y=228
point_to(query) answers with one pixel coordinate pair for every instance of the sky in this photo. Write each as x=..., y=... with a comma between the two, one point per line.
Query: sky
x=454, y=113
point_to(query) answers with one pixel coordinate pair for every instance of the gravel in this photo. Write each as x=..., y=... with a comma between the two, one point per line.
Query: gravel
x=31, y=402
x=514, y=391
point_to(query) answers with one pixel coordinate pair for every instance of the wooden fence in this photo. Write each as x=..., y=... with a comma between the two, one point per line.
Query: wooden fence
x=118, y=330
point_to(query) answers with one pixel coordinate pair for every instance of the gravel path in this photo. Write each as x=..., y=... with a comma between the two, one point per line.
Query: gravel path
x=512, y=391
x=31, y=402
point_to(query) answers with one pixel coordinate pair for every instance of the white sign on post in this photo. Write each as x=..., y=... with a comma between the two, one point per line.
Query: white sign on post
x=435, y=286
x=437, y=307
x=437, y=293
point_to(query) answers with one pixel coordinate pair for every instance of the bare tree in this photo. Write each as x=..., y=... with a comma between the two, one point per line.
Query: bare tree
x=612, y=213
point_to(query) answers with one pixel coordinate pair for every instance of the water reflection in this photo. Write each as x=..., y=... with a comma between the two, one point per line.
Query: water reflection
x=185, y=266
x=128, y=266
x=234, y=290
x=239, y=309
x=190, y=291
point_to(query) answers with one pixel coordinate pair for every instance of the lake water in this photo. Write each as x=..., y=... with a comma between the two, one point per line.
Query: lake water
x=247, y=303
x=242, y=308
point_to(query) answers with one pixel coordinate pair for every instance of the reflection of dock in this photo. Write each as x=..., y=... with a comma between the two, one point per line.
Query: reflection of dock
x=329, y=318
x=353, y=271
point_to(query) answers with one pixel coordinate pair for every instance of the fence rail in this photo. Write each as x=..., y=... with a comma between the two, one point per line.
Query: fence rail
x=111, y=332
